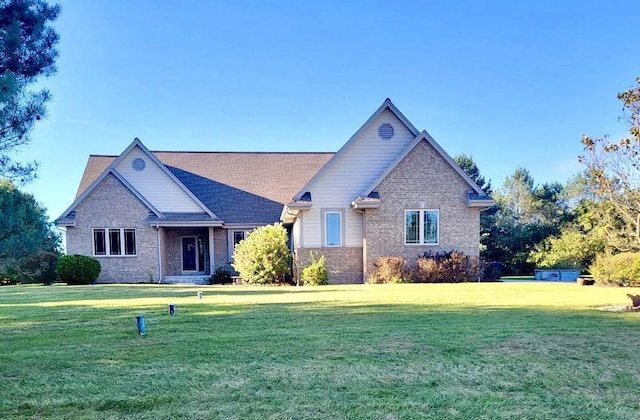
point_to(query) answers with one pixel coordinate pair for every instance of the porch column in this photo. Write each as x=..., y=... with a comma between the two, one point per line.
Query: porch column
x=159, y=236
x=211, y=251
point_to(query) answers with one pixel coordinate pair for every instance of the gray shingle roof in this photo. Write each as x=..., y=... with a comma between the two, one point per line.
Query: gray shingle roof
x=232, y=205
x=239, y=187
x=184, y=217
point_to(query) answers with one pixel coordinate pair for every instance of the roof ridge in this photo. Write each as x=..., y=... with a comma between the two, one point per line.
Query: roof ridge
x=94, y=155
x=241, y=152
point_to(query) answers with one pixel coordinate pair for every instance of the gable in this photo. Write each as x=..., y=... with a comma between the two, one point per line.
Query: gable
x=147, y=177
x=475, y=196
x=237, y=187
x=274, y=176
x=361, y=160
x=424, y=169
x=111, y=196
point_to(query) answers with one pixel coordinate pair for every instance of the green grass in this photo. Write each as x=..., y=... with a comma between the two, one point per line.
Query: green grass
x=513, y=278
x=489, y=350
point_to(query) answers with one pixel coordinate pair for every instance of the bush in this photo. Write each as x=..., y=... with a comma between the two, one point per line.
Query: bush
x=446, y=267
x=78, y=269
x=620, y=269
x=490, y=271
x=40, y=268
x=315, y=274
x=389, y=270
x=263, y=257
x=572, y=249
x=221, y=276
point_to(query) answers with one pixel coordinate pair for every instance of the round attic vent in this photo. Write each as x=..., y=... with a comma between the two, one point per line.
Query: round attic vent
x=138, y=164
x=385, y=131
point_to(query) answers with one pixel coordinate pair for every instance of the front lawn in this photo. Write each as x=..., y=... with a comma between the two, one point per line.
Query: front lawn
x=488, y=350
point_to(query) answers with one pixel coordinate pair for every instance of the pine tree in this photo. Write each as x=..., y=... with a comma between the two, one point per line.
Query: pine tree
x=27, y=52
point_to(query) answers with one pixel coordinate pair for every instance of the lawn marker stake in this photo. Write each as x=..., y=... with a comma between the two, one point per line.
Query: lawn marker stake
x=172, y=309
x=141, y=328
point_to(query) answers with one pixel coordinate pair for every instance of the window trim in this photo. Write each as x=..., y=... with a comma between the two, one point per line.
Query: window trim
x=106, y=232
x=341, y=233
x=231, y=238
x=421, y=215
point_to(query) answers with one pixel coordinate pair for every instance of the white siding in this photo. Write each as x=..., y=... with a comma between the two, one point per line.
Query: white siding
x=155, y=185
x=357, y=166
x=297, y=232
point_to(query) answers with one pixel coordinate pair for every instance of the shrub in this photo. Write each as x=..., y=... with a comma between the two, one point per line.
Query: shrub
x=78, y=269
x=37, y=267
x=446, y=267
x=572, y=249
x=490, y=271
x=620, y=269
x=315, y=274
x=390, y=270
x=263, y=257
x=221, y=276
x=40, y=267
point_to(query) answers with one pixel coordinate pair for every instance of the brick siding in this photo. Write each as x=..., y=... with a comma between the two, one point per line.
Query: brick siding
x=344, y=264
x=422, y=180
x=112, y=205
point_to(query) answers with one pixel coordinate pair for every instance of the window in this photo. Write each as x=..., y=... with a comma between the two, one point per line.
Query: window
x=421, y=227
x=235, y=237
x=129, y=242
x=333, y=228
x=412, y=227
x=114, y=242
x=109, y=242
x=238, y=236
x=99, y=242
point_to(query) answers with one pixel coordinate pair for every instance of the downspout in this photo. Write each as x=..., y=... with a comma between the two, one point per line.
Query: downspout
x=159, y=253
x=295, y=263
x=364, y=242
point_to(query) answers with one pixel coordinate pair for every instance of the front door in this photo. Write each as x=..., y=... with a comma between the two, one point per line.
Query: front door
x=189, y=253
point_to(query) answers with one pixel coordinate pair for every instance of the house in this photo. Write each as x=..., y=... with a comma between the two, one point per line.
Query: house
x=391, y=190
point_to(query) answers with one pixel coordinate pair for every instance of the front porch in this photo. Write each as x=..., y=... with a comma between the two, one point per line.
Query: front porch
x=185, y=280
x=191, y=254
x=186, y=251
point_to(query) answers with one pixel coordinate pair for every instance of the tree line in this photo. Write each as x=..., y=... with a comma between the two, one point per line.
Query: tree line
x=554, y=225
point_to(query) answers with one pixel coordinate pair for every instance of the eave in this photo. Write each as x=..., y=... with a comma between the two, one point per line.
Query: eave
x=65, y=223
x=178, y=223
x=291, y=210
x=365, y=204
x=482, y=201
x=299, y=205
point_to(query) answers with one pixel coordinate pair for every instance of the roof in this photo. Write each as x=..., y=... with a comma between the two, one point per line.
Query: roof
x=253, y=187
x=182, y=217
x=229, y=183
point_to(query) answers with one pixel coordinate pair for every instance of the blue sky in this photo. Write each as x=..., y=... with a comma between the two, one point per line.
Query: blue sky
x=512, y=83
